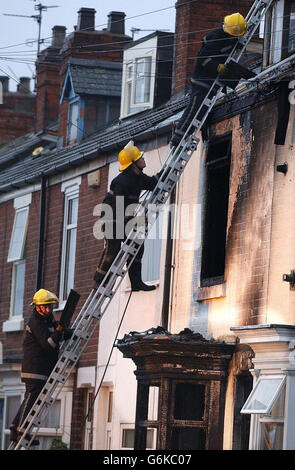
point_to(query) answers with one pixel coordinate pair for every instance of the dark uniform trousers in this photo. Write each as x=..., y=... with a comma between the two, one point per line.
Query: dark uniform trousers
x=116, y=229
x=111, y=249
x=216, y=47
x=33, y=389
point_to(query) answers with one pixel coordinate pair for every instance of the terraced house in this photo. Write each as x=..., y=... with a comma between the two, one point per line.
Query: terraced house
x=206, y=360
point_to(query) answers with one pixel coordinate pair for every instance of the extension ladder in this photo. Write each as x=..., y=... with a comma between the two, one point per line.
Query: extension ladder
x=99, y=299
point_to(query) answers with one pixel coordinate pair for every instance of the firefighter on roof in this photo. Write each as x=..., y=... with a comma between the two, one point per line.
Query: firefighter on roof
x=40, y=354
x=216, y=47
x=127, y=185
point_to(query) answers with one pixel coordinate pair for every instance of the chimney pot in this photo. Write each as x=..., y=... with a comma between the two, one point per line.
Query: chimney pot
x=5, y=81
x=86, y=19
x=24, y=85
x=58, y=36
x=116, y=22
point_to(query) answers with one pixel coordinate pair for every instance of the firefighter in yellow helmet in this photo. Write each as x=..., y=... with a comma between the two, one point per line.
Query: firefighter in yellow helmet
x=40, y=354
x=216, y=47
x=120, y=202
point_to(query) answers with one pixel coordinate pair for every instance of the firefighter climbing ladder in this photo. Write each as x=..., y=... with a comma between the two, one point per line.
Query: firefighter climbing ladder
x=99, y=299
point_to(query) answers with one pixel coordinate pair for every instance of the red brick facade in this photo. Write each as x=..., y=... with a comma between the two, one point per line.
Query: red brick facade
x=17, y=115
x=194, y=20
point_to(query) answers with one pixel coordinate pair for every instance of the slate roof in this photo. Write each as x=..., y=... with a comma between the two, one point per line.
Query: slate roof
x=30, y=169
x=96, y=77
x=147, y=124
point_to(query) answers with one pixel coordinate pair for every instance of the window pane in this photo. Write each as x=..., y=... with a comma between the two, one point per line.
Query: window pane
x=188, y=439
x=73, y=211
x=153, y=403
x=73, y=121
x=19, y=270
x=152, y=252
x=18, y=235
x=129, y=71
x=189, y=401
x=52, y=420
x=272, y=436
x=128, y=438
x=263, y=395
x=291, y=45
x=150, y=438
x=69, y=262
x=143, y=80
x=12, y=406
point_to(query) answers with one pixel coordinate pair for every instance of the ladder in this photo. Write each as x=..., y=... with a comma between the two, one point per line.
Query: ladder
x=99, y=299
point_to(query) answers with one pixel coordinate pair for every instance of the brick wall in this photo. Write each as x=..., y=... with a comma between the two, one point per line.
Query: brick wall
x=88, y=250
x=17, y=115
x=48, y=94
x=193, y=21
x=249, y=227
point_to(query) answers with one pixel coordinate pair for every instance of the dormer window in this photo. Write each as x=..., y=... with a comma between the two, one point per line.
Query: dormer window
x=147, y=73
x=92, y=89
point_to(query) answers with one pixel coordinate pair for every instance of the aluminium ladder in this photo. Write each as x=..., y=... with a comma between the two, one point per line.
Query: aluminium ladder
x=99, y=299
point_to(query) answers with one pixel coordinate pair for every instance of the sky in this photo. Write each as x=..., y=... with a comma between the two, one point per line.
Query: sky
x=17, y=53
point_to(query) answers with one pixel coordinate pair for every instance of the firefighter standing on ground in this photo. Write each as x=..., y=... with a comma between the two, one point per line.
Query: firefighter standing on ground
x=40, y=354
x=128, y=184
x=216, y=47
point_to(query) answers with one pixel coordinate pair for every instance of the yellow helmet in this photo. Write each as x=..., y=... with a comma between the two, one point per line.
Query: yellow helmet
x=235, y=24
x=128, y=155
x=43, y=296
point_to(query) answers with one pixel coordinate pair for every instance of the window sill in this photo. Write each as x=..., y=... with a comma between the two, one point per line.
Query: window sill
x=211, y=292
x=16, y=324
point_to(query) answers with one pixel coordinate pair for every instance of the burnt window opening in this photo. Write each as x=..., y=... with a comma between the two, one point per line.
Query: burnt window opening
x=241, y=431
x=186, y=414
x=216, y=209
x=189, y=401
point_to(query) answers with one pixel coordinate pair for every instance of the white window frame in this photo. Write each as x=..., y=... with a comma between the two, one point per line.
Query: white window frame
x=144, y=50
x=129, y=98
x=19, y=255
x=5, y=431
x=246, y=410
x=274, y=25
x=147, y=65
x=71, y=191
x=16, y=321
x=71, y=124
x=128, y=426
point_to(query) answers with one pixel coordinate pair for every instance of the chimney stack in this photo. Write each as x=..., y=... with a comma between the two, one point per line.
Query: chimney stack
x=24, y=85
x=58, y=36
x=116, y=22
x=5, y=81
x=86, y=19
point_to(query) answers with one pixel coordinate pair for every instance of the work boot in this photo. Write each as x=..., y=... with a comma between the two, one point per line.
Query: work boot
x=139, y=285
x=136, y=278
x=13, y=434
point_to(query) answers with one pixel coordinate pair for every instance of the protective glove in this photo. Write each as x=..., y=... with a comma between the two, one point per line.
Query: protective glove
x=222, y=69
x=59, y=328
x=68, y=333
